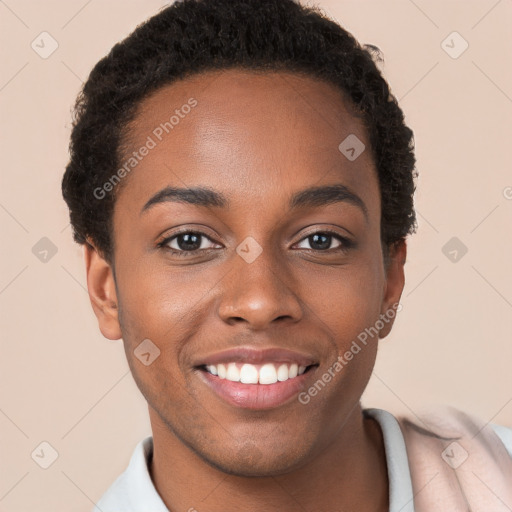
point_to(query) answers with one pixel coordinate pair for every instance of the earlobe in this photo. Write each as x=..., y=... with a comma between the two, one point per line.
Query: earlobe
x=102, y=292
x=395, y=281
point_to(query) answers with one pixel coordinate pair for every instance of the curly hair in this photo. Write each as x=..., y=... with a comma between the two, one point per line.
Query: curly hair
x=194, y=36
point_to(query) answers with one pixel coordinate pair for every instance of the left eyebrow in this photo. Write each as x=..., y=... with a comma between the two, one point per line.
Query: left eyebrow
x=309, y=197
x=324, y=195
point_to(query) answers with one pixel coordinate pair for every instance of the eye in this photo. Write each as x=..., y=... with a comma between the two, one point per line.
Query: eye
x=189, y=243
x=321, y=241
x=185, y=243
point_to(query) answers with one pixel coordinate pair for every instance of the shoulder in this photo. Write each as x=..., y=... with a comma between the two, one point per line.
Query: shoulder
x=447, y=423
x=457, y=457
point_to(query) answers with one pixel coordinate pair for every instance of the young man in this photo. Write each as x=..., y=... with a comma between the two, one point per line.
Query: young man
x=242, y=180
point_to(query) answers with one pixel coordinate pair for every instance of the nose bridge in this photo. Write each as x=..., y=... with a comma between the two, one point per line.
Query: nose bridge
x=258, y=289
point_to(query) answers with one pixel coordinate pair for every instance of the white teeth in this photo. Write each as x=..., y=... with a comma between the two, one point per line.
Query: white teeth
x=221, y=369
x=282, y=373
x=268, y=373
x=249, y=374
x=233, y=373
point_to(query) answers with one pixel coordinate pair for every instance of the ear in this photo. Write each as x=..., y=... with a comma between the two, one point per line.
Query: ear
x=394, y=285
x=102, y=292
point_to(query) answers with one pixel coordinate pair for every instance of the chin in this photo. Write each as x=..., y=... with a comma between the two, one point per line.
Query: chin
x=250, y=461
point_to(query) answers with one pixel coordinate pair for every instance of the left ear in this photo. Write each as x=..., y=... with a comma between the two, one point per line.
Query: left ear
x=395, y=280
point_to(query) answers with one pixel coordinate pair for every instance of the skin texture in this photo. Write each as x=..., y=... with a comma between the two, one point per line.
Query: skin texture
x=257, y=138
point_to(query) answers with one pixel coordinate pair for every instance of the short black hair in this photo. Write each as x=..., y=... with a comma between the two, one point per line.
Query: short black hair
x=193, y=36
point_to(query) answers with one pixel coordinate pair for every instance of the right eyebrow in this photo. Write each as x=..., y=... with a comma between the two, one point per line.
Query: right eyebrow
x=199, y=196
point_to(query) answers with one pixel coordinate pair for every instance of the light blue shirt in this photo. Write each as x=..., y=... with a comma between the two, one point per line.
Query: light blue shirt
x=133, y=490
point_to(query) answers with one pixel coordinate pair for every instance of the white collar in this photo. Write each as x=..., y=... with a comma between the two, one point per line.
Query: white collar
x=400, y=484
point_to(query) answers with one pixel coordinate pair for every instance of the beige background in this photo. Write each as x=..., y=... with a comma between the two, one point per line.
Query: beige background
x=63, y=383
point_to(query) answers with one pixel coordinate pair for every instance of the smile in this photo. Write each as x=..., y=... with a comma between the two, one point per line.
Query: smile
x=268, y=373
x=256, y=379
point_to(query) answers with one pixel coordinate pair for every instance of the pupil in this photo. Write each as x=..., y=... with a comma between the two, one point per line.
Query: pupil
x=325, y=244
x=188, y=244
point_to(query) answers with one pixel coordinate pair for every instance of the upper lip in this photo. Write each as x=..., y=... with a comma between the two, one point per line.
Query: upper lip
x=257, y=356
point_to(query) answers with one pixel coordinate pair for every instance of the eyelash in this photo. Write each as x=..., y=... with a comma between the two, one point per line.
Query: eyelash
x=346, y=244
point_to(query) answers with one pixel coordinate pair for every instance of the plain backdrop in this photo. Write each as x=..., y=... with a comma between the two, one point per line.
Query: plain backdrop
x=66, y=385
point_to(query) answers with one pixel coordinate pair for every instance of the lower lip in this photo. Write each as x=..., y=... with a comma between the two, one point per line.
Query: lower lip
x=256, y=396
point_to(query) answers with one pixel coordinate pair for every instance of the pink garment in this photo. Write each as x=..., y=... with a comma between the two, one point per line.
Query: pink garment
x=457, y=463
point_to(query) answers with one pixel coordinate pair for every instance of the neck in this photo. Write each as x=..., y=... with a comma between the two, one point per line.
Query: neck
x=351, y=474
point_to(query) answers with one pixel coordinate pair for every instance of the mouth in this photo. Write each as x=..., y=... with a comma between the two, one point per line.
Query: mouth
x=264, y=374
x=250, y=379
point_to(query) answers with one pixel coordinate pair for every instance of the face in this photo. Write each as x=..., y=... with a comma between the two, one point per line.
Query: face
x=266, y=267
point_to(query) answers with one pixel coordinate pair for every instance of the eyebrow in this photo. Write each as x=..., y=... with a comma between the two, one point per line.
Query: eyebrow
x=309, y=197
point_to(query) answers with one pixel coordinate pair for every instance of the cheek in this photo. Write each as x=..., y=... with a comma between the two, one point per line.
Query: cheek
x=153, y=333
x=348, y=302
x=346, y=299
x=160, y=303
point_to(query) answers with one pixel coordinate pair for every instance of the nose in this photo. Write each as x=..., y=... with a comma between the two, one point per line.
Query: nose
x=259, y=293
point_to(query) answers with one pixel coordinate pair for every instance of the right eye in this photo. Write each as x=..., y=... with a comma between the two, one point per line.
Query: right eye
x=185, y=243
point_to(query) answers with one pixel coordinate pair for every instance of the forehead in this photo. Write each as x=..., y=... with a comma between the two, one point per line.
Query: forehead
x=245, y=132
